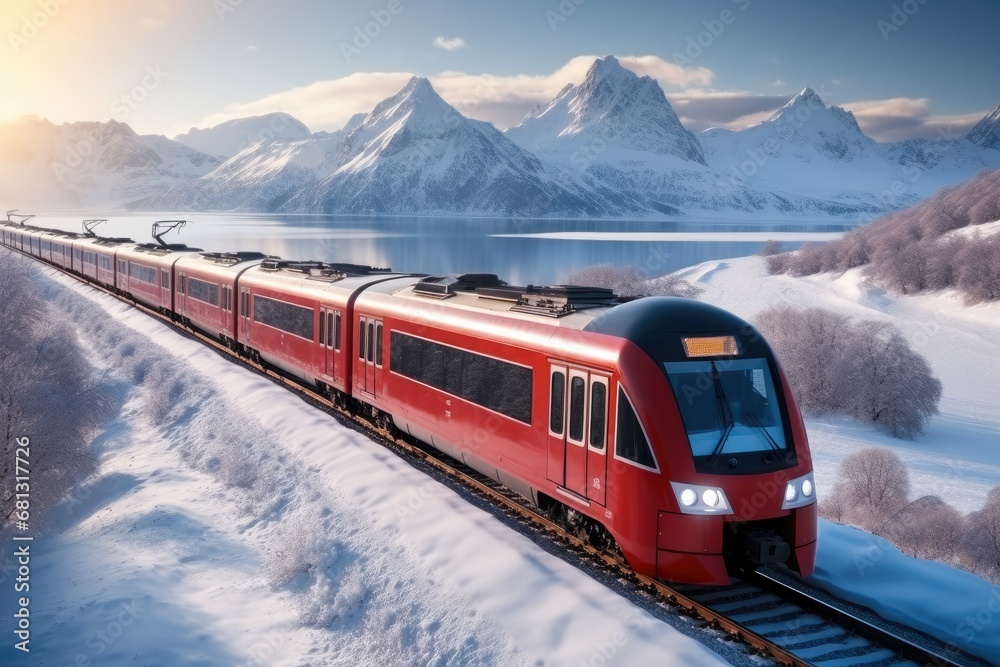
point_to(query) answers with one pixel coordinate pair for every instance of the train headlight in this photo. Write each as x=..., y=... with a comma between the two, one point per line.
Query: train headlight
x=791, y=493
x=697, y=499
x=799, y=492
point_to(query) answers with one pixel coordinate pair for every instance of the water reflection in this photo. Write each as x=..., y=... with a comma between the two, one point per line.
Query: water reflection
x=454, y=245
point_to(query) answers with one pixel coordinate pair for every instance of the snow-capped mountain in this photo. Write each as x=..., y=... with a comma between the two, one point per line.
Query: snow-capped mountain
x=619, y=129
x=611, y=146
x=819, y=151
x=415, y=153
x=261, y=177
x=986, y=133
x=89, y=163
x=613, y=111
x=225, y=140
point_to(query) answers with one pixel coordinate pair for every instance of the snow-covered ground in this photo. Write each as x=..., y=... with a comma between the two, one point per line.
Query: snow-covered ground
x=229, y=523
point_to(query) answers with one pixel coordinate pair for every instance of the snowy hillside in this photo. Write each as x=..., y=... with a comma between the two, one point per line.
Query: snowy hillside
x=225, y=140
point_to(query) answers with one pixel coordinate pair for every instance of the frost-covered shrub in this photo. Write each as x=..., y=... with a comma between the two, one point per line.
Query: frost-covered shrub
x=862, y=369
x=629, y=282
x=872, y=487
x=48, y=393
x=770, y=248
x=980, y=545
x=927, y=528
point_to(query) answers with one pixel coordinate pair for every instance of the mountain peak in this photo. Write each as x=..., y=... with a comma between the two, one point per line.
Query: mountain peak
x=613, y=107
x=419, y=85
x=986, y=132
x=604, y=66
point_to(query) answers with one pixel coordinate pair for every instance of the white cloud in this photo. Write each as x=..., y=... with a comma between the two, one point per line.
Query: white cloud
x=502, y=100
x=900, y=118
x=251, y=48
x=452, y=44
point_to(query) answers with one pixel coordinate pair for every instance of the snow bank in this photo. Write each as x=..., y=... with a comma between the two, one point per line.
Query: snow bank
x=957, y=608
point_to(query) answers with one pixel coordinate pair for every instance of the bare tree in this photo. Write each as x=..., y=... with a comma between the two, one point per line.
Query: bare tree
x=873, y=486
x=770, y=247
x=927, y=528
x=892, y=386
x=863, y=369
x=980, y=546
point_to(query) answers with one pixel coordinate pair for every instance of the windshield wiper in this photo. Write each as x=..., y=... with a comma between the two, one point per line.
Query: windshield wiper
x=725, y=416
x=756, y=423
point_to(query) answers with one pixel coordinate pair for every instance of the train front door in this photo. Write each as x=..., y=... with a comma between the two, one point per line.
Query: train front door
x=577, y=456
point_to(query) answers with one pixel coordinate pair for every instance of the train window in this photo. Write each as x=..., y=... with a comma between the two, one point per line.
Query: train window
x=598, y=414
x=361, y=341
x=206, y=292
x=491, y=383
x=631, y=443
x=322, y=329
x=371, y=342
x=557, y=402
x=378, y=345
x=145, y=274
x=183, y=285
x=577, y=397
x=288, y=317
x=336, y=331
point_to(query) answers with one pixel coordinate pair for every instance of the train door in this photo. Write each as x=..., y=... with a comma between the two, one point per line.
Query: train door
x=370, y=355
x=180, y=307
x=327, y=329
x=243, y=322
x=577, y=457
x=597, y=437
x=227, y=311
x=165, y=299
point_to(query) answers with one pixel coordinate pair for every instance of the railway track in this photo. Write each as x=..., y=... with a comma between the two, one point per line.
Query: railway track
x=772, y=618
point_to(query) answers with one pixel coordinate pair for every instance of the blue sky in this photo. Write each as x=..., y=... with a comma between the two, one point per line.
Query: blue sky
x=905, y=68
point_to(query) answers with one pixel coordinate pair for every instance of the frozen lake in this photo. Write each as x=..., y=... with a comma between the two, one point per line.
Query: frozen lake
x=520, y=251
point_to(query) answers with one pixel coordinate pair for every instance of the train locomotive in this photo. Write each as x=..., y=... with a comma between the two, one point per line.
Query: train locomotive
x=661, y=429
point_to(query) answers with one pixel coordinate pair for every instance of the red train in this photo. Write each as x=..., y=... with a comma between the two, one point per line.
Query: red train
x=662, y=427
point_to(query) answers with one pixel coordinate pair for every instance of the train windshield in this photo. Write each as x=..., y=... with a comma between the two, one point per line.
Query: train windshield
x=728, y=407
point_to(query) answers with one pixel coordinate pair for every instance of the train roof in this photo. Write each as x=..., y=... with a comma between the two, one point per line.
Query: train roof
x=313, y=277
x=643, y=321
x=567, y=306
